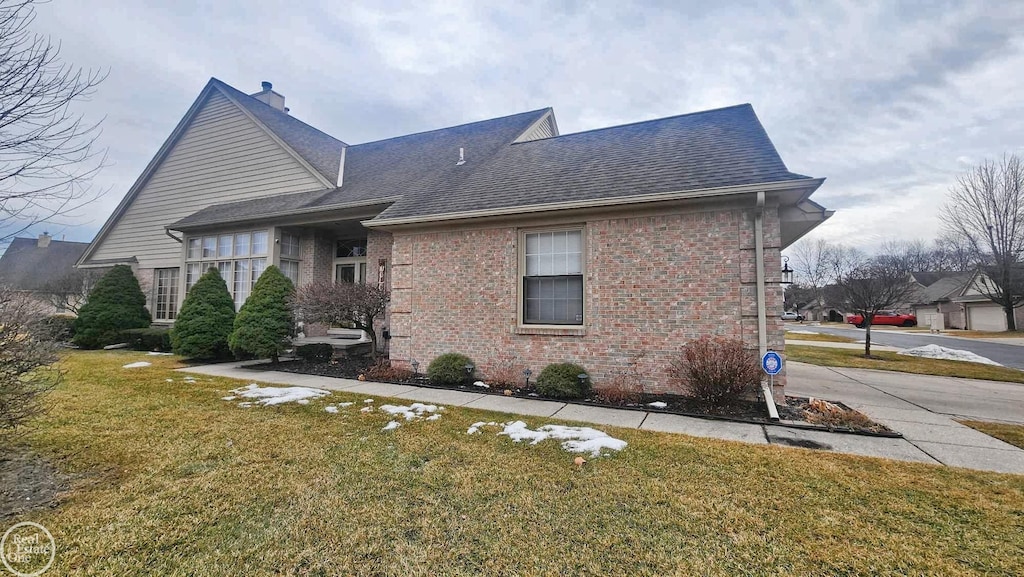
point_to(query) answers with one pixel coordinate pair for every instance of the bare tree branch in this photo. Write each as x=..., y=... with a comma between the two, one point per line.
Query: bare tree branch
x=47, y=152
x=986, y=209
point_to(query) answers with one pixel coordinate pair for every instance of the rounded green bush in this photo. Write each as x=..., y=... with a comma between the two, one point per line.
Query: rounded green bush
x=449, y=369
x=265, y=323
x=561, y=381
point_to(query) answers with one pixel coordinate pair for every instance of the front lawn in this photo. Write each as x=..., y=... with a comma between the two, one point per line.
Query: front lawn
x=810, y=335
x=168, y=479
x=889, y=361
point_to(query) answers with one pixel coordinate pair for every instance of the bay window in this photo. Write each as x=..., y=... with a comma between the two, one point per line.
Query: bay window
x=240, y=258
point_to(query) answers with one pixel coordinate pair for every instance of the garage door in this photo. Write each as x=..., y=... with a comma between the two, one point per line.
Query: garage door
x=925, y=316
x=986, y=318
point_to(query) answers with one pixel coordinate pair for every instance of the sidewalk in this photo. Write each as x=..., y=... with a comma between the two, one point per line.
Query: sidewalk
x=931, y=438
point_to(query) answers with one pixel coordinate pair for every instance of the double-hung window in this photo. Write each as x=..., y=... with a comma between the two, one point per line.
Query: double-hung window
x=290, y=251
x=552, y=277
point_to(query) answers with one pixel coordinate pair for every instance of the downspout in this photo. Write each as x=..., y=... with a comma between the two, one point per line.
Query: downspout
x=168, y=233
x=762, y=320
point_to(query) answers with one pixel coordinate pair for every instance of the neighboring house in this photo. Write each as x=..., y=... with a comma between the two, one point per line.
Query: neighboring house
x=934, y=298
x=35, y=265
x=498, y=239
x=980, y=313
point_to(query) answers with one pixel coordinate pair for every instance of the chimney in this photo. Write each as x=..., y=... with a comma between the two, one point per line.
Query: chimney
x=268, y=96
x=44, y=240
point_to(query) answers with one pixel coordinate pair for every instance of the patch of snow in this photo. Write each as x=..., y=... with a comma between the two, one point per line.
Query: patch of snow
x=366, y=409
x=798, y=332
x=574, y=439
x=137, y=365
x=303, y=401
x=155, y=354
x=231, y=398
x=481, y=384
x=268, y=396
x=331, y=409
x=475, y=427
x=169, y=380
x=368, y=401
x=412, y=411
x=345, y=404
x=433, y=417
x=937, y=352
x=657, y=405
x=391, y=425
x=245, y=405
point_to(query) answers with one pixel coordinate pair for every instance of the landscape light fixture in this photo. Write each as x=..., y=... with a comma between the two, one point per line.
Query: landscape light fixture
x=583, y=378
x=415, y=367
x=527, y=373
x=787, y=273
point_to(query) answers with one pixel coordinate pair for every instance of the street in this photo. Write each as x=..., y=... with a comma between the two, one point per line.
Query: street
x=1004, y=354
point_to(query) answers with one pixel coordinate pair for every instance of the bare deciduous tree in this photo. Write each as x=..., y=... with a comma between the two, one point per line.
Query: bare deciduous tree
x=812, y=266
x=70, y=291
x=26, y=356
x=340, y=303
x=986, y=208
x=869, y=285
x=47, y=154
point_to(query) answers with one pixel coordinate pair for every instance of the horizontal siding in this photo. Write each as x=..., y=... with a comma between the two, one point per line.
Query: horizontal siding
x=222, y=157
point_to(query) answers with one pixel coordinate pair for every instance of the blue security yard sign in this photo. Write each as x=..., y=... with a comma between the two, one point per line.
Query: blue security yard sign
x=771, y=362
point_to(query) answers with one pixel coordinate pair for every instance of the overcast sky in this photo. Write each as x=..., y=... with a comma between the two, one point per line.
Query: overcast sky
x=889, y=101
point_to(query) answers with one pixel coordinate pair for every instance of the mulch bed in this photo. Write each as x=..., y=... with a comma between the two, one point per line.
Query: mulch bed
x=797, y=412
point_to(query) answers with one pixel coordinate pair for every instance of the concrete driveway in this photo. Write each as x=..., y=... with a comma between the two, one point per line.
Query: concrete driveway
x=923, y=409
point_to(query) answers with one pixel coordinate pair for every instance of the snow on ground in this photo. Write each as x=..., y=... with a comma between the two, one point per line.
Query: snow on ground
x=155, y=354
x=799, y=332
x=366, y=409
x=333, y=409
x=391, y=425
x=657, y=405
x=268, y=396
x=137, y=365
x=481, y=384
x=412, y=412
x=574, y=439
x=475, y=427
x=937, y=352
x=368, y=401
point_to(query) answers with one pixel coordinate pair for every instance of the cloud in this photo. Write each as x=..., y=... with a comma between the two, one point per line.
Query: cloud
x=889, y=101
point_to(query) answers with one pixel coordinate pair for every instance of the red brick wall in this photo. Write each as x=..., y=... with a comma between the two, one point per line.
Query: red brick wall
x=652, y=283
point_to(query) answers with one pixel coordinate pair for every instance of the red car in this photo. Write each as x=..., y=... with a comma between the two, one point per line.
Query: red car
x=884, y=318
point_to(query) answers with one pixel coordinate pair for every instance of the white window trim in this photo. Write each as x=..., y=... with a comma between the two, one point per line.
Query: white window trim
x=540, y=329
x=173, y=303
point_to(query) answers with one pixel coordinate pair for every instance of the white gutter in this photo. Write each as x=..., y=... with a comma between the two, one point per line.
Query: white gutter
x=762, y=320
x=811, y=183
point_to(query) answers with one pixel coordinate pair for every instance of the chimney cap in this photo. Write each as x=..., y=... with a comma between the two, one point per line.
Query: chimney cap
x=266, y=85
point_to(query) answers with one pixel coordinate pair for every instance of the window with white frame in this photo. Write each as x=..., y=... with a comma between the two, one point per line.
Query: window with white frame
x=290, y=256
x=166, y=297
x=240, y=258
x=552, y=277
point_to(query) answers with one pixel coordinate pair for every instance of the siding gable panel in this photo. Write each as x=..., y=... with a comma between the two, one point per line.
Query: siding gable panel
x=222, y=156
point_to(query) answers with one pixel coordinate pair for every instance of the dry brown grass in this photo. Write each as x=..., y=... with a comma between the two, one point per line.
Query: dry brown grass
x=171, y=480
x=820, y=337
x=1012, y=434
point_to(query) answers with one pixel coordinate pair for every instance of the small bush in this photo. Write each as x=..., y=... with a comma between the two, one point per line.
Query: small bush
x=59, y=328
x=115, y=304
x=561, y=381
x=383, y=371
x=505, y=371
x=206, y=319
x=315, y=352
x=449, y=369
x=151, y=339
x=625, y=386
x=716, y=371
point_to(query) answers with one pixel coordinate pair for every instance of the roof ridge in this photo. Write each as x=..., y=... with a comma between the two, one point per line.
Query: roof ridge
x=422, y=132
x=662, y=119
x=276, y=111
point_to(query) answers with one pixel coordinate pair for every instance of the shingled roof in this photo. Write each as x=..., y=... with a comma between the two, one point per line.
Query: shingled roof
x=705, y=150
x=27, y=266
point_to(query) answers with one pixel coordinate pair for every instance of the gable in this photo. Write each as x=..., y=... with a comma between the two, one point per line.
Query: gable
x=219, y=155
x=545, y=127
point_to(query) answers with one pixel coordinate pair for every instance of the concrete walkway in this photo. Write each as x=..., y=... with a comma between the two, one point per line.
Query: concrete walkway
x=930, y=438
